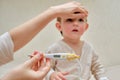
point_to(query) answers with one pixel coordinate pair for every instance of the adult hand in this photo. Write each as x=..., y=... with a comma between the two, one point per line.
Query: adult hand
x=25, y=71
x=70, y=9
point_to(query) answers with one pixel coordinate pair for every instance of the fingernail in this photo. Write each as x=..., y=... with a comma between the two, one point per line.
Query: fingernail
x=38, y=55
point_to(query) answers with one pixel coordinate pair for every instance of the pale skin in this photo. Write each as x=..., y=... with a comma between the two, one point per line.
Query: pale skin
x=24, y=33
x=26, y=72
x=72, y=29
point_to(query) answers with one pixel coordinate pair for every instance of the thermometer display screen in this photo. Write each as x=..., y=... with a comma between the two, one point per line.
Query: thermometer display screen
x=57, y=56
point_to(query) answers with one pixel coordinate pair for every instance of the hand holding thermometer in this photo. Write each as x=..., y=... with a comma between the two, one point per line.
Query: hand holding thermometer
x=62, y=56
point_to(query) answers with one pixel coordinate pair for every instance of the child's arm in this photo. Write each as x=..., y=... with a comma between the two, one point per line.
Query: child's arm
x=97, y=69
x=58, y=76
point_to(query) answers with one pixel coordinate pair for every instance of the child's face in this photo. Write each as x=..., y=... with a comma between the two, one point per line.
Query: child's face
x=73, y=27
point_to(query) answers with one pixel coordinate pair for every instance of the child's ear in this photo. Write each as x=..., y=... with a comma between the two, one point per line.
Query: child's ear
x=86, y=27
x=58, y=26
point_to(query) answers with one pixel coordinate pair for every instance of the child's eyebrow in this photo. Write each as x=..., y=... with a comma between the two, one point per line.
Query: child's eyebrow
x=77, y=19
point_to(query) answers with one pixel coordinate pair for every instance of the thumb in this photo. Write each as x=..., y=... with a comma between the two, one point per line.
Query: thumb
x=34, y=60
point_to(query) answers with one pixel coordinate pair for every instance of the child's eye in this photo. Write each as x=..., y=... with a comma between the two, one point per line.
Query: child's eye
x=69, y=20
x=81, y=20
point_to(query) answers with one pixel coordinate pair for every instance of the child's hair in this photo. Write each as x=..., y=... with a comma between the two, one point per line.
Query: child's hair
x=58, y=19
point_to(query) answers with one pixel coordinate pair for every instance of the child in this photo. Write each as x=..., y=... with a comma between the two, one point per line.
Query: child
x=72, y=29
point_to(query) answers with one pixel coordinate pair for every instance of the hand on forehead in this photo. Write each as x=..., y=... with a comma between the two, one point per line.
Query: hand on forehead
x=76, y=16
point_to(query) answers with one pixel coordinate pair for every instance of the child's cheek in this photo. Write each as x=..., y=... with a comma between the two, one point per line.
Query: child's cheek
x=82, y=30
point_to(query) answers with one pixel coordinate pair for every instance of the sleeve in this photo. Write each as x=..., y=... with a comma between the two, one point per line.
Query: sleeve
x=6, y=48
x=97, y=68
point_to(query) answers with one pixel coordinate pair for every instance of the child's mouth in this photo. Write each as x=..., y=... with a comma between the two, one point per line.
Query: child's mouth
x=75, y=30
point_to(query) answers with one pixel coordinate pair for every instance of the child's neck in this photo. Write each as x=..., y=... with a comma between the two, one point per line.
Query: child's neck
x=75, y=45
x=72, y=41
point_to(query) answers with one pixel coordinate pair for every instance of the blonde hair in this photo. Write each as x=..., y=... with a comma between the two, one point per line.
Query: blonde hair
x=59, y=19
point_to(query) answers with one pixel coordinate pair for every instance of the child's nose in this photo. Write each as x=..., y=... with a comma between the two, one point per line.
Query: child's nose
x=76, y=23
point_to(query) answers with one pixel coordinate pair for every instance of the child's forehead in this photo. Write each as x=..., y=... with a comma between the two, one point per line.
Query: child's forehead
x=78, y=17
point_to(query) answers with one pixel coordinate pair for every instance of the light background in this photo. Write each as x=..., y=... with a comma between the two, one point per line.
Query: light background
x=103, y=32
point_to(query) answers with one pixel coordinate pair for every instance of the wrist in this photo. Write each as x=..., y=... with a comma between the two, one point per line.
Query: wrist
x=53, y=11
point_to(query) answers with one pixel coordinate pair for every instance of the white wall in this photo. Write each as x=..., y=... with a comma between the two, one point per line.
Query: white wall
x=113, y=72
x=103, y=32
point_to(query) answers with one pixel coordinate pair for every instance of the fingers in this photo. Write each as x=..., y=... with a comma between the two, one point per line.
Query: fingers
x=45, y=64
x=48, y=63
x=62, y=75
x=59, y=78
x=83, y=10
x=69, y=8
x=43, y=68
x=79, y=8
x=59, y=75
x=75, y=2
x=34, y=60
x=77, y=15
x=65, y=73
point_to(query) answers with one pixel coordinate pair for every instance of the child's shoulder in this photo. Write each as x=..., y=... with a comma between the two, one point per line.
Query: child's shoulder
x=88, y=44
x=89, y=47
x=56, y=45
